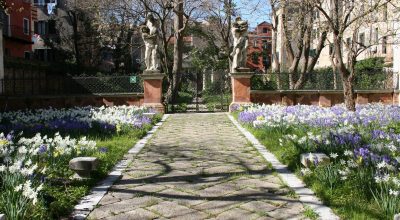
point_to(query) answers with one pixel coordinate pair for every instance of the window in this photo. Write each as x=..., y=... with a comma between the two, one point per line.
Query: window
x=26, y=26
x=255, y=43
x=44, y=54
x=385, y=12
x=330, y=49
x=52, y=27
x=41, y=27
x=376, y=35
x=27, y=55
x=384, y=45
x=39, y=2
x=6, y=23
x=265, y=45
x=361, y=39
x=313, y=52
x=316, y=14
x=315, y=33
x=348, y=42
x=265, y=30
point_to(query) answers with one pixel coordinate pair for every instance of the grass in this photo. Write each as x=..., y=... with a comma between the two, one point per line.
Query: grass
x=348, y=200
x=309, y=213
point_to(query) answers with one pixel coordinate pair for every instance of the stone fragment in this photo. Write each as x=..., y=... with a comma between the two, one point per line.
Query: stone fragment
x=313, y=159
x=396, y=217
x=2, y=217
x=83, y=165
x=149, y=114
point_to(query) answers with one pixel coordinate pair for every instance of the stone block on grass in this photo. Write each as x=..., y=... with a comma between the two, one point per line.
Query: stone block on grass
x=2, y=217
x=83, y=166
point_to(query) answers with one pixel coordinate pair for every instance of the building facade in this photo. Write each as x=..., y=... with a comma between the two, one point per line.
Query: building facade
x=378, y=33
x=260, y=50
x=45, y=30
x=17, y=29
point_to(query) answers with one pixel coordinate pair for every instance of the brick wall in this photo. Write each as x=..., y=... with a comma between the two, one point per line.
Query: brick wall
x=322, y=98
x=35, y=102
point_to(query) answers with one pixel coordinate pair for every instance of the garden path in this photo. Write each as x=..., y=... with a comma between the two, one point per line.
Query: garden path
x=199, y=166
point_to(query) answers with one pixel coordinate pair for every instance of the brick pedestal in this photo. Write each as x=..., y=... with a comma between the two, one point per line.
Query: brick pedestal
x=152, y=81
x=241, y=87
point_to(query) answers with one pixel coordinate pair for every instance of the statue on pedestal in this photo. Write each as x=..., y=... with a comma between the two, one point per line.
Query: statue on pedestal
x=240, y=44
x=150, y=37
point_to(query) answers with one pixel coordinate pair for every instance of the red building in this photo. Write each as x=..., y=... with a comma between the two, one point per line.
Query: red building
x=17, y=28
x=260, y=50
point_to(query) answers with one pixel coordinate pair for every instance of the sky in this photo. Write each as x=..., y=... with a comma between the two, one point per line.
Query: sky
x=255, y=11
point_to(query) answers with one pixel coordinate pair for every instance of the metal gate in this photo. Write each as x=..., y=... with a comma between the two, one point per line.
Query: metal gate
x=202, y=92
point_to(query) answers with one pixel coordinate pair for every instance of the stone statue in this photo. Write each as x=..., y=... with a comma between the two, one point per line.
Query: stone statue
x=150, y=37
x=240, y=44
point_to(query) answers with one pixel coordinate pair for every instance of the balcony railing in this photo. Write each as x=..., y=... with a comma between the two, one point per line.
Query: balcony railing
x=17, y=32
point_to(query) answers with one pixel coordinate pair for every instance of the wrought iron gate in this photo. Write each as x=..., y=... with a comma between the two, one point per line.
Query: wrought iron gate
x=202, y=92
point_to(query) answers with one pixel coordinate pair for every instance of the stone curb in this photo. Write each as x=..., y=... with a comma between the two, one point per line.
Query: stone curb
x=306, y=195
x=89, y=202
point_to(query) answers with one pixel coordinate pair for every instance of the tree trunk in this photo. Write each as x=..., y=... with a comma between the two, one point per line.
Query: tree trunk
x=347, y=76
x=178, y=51
x=349, y=95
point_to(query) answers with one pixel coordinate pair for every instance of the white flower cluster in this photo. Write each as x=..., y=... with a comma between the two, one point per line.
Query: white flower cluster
x=22, y=158
x=112, y=115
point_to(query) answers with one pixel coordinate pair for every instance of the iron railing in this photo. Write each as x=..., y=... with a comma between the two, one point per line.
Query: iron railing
x=68, y=85
x=371, y=80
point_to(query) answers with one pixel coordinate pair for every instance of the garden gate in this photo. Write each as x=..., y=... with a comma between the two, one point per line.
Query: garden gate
x=202, y=92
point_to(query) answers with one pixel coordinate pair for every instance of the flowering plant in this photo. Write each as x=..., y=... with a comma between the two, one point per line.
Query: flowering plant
x=363, y=146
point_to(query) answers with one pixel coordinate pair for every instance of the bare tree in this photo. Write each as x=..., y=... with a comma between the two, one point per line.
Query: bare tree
x=346, y=18
x=296, y=21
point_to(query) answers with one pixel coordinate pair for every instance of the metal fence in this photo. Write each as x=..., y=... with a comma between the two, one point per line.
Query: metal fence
x=68, y=85
x=327, y=81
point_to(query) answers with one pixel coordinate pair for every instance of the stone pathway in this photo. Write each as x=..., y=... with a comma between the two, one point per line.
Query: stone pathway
x=199, y=166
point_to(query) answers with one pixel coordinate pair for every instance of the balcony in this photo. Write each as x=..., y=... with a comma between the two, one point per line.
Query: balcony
x=17, y=33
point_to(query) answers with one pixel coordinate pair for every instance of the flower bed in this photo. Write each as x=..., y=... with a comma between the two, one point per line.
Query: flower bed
x=36, y=147
x=362, y=180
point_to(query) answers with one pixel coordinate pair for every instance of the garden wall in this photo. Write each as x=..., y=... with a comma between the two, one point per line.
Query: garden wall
x=322, y=98
x=8, y=103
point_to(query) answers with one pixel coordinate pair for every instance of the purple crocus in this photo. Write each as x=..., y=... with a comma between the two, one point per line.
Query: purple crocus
x=103, y=150
x=42, y=149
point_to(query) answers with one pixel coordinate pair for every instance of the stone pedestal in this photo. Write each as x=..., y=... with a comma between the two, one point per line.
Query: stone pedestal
x=241, y=87
x=152, y=81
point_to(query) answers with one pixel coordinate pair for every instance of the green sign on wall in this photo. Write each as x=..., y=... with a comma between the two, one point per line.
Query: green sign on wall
x=133, y=79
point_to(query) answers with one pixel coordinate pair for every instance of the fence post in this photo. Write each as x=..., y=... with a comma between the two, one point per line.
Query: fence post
x=2, y=83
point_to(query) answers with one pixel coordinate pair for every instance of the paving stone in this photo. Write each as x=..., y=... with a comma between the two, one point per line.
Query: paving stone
x=257, y=206
x=137, y=214
x=173, y=210
x=123, y=206
x=217, y=206
x=237, y=213
x=198, y=166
